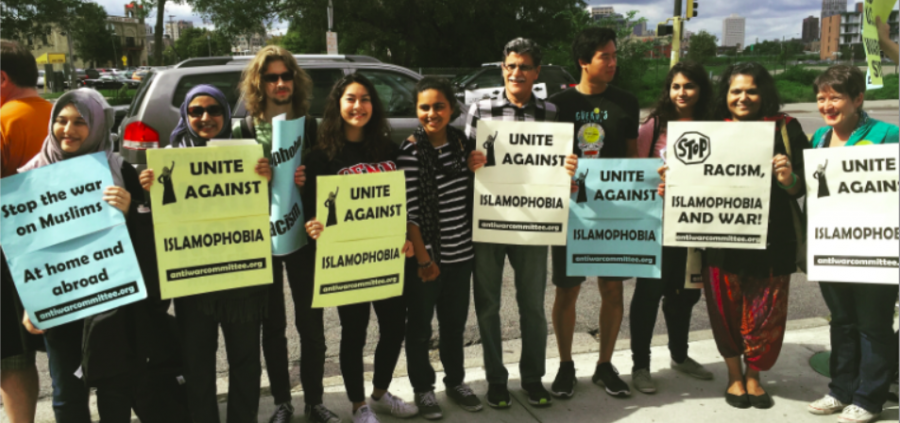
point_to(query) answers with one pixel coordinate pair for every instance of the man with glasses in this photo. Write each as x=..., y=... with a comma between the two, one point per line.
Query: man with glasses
x=521, y=67
x=272, y=85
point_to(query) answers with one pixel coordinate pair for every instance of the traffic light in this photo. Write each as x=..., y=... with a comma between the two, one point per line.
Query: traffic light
x=691, y=9
x=663, y=30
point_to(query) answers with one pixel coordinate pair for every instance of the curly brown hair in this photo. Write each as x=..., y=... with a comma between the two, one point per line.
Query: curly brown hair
x=252, y=85
x=376, y=133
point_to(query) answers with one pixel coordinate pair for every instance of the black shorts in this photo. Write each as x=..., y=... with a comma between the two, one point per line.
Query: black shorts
x=558, y=253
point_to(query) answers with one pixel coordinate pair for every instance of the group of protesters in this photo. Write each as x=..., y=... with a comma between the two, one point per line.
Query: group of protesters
x=140, y=359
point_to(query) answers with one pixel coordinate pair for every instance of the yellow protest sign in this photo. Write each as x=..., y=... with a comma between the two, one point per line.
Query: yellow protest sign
x=358, y=254
x=358, y=271
x=871, y=10
x=361, y=206
x=211, y=219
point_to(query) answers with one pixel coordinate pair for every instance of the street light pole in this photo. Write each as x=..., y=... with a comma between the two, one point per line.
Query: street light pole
x=208, y=45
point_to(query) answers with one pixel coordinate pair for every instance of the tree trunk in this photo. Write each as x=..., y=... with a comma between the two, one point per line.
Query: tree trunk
x=158, y=32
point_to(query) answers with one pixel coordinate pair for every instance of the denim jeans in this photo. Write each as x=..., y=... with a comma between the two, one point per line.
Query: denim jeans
x=530, y=265
x=70, y=394
x=449, y=294
x=863, y=344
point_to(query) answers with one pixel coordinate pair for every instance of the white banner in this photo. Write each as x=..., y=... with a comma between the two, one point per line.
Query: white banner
x=522, y=193
x=718, y=184
x=853, y=214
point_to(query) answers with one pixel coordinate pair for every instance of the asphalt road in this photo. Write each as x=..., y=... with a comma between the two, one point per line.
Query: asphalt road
x=805, y=298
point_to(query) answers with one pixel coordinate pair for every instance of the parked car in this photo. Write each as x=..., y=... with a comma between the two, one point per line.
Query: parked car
x=154, y=110
x=106, y=82
x=139, y=75
x=487, y=82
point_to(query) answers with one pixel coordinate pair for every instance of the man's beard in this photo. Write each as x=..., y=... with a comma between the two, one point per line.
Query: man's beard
x=284, y=102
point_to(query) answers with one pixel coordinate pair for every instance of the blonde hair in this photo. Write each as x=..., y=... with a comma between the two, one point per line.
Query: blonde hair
x=252, y=83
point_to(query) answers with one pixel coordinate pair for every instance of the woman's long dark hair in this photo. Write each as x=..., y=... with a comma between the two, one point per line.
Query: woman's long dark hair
x=771, y=101
x=376, y=133
x=665, y=110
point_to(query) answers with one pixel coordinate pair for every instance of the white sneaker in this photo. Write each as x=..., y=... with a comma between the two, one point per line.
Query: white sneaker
x=641, y=379
x=825, y=405
x=855, y=414
x=365, y=414
x=396, y=406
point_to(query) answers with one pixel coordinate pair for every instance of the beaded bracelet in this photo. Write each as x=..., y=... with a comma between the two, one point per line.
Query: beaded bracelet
x=792, y=183
x=425, y=265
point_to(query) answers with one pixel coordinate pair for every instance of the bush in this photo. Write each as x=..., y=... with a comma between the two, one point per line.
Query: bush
x=890, y=91
x=799, y=75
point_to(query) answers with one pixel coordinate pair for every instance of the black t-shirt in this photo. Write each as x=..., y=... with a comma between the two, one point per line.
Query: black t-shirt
x=603, y=122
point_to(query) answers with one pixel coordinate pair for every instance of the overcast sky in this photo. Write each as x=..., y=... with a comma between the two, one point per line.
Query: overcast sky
x=766, y=19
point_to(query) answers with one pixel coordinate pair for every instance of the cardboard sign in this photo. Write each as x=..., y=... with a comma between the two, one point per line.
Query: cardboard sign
x=718, y=185
x=358, y=254
x=871, y=10
x=521, y=194
x=211, y=219
x=286, y=216
x=853, y=214
x=615, y=219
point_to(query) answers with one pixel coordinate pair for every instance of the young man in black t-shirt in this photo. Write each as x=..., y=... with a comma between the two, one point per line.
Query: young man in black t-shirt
x=606, y=125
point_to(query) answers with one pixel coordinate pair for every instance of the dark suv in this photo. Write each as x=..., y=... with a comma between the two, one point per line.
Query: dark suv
x=489, y=75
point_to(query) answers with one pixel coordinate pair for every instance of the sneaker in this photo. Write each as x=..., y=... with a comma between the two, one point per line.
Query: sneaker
x=825, y=405
x=428, y=405
x=564, y=384
x=607, y=376
x=365, y=414
x=642, y=381
x=855, y=414
x=464, y=397
x=396, y=406
x=537, y=395
x=282, y=414
x=498, y=396
x=319, y=414
x=692, y=369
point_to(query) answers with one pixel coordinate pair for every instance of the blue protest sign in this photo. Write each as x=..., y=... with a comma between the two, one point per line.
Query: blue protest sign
x=286, y=213
x=615, y=219
x=56, y=203
x=78, y=278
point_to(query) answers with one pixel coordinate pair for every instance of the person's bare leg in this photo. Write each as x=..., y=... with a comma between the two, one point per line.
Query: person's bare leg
x=563, y=316
x=611, y=311
x=754, y=385
x=19, y=389
x=735, y=376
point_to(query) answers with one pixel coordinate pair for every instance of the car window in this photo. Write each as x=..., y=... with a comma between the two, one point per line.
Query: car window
x=491, y=78
x=464, y=78
x=227, y=82
x=555, y=76
x=139, y=95
x=395, y=90
x=323, y=80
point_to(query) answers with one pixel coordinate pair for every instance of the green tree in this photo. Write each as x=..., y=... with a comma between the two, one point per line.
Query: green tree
x=93, y=39
x=193, y=42
x=32, y=20
x=703, y=47
x=159, y=29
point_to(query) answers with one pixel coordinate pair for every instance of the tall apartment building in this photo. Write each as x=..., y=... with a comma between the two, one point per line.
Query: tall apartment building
x=175, y=28
x=833, y=7
x=598, y=12
x=845, y=30
x=810, y=29
x=733, y=31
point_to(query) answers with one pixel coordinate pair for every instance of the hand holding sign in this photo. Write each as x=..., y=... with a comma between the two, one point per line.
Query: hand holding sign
x=118, y=197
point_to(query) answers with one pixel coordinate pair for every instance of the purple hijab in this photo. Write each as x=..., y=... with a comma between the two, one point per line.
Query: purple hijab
x=185, y=136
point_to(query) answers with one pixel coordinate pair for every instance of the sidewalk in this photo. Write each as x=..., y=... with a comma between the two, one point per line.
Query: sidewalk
x=792, y=383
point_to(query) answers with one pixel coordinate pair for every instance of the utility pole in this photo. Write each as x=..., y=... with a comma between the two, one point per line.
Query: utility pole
x=676, y=34
x=208, y=45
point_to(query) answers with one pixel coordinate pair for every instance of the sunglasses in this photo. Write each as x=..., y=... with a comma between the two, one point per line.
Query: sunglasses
x=524, y=68
x=198, y=111
x=273, y=77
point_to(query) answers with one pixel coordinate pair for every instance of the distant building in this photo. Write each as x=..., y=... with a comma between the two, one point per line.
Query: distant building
x=845, y=30
x=128, y=41
x=248, y=45
x=859, y=7
x=640, y=29
x=600, y=11
x=733, y=31
x=810, y=29
x=175, y=28
x=833, y=7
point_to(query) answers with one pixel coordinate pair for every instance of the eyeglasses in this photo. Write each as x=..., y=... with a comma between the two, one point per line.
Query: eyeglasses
x=198, y=111
x=512, y=67
x=273, y=77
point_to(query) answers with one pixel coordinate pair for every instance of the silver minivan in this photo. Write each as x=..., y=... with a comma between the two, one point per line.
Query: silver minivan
x=155, y=109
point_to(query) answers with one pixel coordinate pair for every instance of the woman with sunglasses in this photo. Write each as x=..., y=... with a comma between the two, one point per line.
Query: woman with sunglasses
x=239, y=312
x=354, y=138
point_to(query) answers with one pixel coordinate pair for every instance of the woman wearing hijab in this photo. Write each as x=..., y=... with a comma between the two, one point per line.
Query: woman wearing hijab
x=109, y=348
x=205, y=115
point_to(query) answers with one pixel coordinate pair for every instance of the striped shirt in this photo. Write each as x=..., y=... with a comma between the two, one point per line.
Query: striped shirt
x=453, y=198
x=536, y=110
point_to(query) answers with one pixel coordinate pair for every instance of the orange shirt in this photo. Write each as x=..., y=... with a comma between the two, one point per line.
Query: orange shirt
x=23, y=128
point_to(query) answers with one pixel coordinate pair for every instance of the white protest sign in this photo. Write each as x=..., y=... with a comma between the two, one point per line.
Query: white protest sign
x=718, y=184
x=522, y=193
x=853, y=214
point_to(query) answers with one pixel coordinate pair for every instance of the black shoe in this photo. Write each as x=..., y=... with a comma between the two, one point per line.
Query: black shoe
x=282, y=414
x=737, y=401
x=319, y=414
x=498, y=396
x=564, y=384
x=537, y=395
x=607, y=376
x=763, y=401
